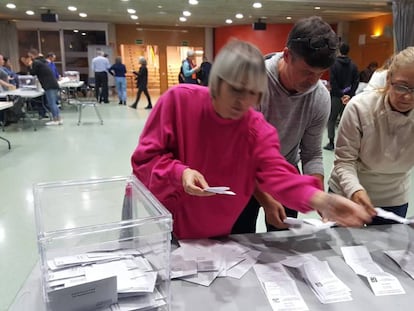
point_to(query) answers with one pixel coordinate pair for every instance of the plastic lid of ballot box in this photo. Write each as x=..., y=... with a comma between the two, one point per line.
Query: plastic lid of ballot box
x=82, y=224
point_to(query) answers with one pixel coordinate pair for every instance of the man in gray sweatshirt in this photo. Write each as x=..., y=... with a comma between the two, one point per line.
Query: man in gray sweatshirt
x=298, y=106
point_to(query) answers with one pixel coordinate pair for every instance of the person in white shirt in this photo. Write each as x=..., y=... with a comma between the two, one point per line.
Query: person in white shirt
x=100, y=66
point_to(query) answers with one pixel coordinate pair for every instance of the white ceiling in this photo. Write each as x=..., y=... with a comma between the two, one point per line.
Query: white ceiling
x=208, y=13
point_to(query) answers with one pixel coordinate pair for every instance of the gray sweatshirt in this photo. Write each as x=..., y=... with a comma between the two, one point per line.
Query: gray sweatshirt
x=300, y=119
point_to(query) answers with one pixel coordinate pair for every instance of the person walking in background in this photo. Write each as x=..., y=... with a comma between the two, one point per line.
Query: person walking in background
x=142, y=83
x=190, y=69
x=297, y=105
x=100, y=66
x=205, y=68
x=38, y=66
x=119, y=70
x=375, y=146
x=344, y=79
x=171, y=164
x=50, y=58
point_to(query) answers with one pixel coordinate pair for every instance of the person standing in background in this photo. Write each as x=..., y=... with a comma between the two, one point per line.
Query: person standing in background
x=100, y=66
x=119, y=70
x=297, y=104
x=366, y=74
x=344, y=79
x=50, y=58
x=142, y=83
x=190, y=69
x=205, y=68
x=38, y=66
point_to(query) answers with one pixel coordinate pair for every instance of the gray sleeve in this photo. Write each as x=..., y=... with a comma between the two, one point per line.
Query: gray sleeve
x=311, y=143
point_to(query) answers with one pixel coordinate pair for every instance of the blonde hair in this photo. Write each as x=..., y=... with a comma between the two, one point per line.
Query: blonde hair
x=240, y=64
x=404, y=59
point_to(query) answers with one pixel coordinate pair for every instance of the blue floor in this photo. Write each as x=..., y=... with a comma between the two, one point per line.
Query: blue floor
x=56, y=154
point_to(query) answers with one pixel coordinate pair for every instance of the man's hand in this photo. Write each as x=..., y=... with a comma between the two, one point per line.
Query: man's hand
x=274, y=211
x=341, y=210
x=345, y=99
x=194, y=183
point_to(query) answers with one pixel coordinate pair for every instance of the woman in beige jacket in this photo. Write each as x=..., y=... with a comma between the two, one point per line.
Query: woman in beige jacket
x=375, y=146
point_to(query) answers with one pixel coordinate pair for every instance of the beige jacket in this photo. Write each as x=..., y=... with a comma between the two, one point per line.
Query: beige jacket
x=374, y=151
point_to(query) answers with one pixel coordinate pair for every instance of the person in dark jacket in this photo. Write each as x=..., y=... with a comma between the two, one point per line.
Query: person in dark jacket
x=119, y=70
x=344, y=79
x=142, y=83
x=38, y=66
x=205, y=68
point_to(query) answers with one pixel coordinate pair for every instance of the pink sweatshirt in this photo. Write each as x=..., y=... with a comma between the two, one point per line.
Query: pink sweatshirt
x=182, y=131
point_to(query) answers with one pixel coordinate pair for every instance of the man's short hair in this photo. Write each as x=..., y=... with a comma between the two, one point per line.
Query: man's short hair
x=313, y=40
x=344, y=49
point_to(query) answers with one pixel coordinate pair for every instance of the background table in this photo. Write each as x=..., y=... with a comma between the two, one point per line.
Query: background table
x=227, y=294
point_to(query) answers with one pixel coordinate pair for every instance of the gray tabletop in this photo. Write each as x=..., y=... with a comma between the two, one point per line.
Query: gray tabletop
x=246, y=294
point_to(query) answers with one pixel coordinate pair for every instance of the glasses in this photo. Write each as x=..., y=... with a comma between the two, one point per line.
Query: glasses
x=401, y=89
x=317, y=43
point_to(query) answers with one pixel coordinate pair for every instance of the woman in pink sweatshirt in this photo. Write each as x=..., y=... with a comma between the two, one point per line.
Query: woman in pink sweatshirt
x=198, y=137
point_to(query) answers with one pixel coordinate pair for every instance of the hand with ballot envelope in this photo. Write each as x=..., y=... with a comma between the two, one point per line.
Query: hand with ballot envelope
x=274, y=211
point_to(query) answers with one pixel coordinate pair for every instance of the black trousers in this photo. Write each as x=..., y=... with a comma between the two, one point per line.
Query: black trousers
x=145, y=91
x=337, y=107
x=101, y=86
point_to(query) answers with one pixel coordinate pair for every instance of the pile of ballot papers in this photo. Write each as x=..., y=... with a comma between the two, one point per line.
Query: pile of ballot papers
x=202, y=261
x=124, y=278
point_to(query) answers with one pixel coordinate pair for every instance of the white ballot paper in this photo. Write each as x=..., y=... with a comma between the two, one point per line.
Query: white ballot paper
x=391, y=216
x=327, y=287
x=404, y=258
x=307, y=226
x=360, y=260
x=280, y=289
x=220, y=190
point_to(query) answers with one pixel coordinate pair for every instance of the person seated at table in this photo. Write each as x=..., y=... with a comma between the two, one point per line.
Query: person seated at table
x=375, y=146
x=198, y=137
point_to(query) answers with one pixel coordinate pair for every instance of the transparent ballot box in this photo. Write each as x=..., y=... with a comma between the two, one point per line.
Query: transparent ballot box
x=104, y=244
x=28, y=82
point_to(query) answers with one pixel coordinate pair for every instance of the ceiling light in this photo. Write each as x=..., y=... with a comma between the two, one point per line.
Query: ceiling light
x=183, y=19
x=257, y=5
x=229, y=21
x=83, y=14
x=186, y=13
x=72, y=8
x=131, y=11
x=11, y=5
x=29, y=12
x=288, y=17
x=75, y=30
x=83, y=33
x=160, y=6
x=239, y=15
x=134, y=17
x=193, y=2
x=317, y=7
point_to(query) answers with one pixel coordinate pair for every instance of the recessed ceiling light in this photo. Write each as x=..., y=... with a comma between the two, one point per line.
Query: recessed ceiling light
x=257, y=5
x=72, y=8
x=288, y=17
x=83, y=33
x=83, y=14
x=160, y=6
x=134, y=17
x=193, y=2
x=317, y=7
x=239, y=15
x=29, y=12
x=186, y=13
x=11, y=5
x=229, y=21
x=131, y=11
x=75, y=30
x=183, y=19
